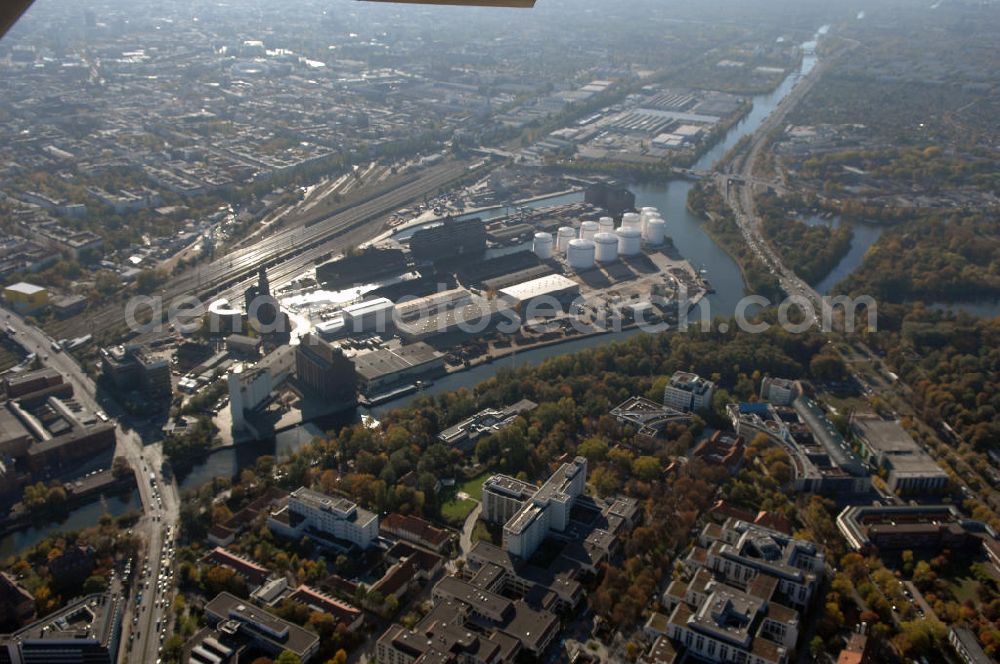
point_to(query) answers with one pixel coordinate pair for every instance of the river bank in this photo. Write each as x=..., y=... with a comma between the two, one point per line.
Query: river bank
x=687, y=233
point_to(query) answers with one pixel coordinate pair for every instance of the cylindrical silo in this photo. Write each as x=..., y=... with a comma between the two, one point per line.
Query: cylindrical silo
x=589, y=229
x=656, y=230
x=606, y=225
x=606, y=247
x=631, y=220
x=580, y=254
x=542, y=246
x=647, y=214
x=629, y=241
x=563, y=236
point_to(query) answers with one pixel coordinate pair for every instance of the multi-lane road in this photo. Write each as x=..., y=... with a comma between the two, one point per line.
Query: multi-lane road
x=160, y=504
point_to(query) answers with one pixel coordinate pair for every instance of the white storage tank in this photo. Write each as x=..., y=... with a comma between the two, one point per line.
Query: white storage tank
x=656, y=230
x=580, y=254
x=542, y=246
x=563, y=236
x=631, y=220
x=629, y=241
x=606, y=247
x=606, y=225
x=647, y=214
x=589, y=229
x=646, y=220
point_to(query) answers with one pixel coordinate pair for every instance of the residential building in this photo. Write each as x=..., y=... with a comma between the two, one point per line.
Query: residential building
x=350, y=616
x=254, y=574
x=17, y=605
x=718, y=622
x=688, y=392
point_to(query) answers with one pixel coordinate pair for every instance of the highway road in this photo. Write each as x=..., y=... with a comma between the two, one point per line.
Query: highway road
x=160, y=502
x=308, y=239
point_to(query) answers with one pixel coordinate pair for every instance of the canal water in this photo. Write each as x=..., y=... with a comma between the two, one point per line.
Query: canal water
x=685, y=230
x=82, y=517
x=864, y=236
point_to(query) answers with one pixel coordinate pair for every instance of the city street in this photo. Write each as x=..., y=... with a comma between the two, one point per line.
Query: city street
x=160, y=502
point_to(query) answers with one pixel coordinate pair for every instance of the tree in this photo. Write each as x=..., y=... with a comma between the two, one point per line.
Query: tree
x=595, y=449
x=288, y=657
x=95, y=584
x=339, y=658
x=816, y=647
x=120, y=467
x=646, y=468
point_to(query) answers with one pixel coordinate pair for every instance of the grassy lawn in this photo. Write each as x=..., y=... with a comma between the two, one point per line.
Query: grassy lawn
x=474, y=487
x=455, y=511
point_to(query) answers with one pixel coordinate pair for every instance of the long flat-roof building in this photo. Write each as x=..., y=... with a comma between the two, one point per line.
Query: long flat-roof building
x=384, y=368
x=884, y=527
x=887, y=445
x=544, y=296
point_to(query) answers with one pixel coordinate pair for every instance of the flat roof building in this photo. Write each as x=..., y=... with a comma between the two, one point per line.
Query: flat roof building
x=239, y=619
x=889, y=446
x=326, y=518
x=547, y=510
x=887, y=527
x=739, y=552
x=88, y=629
x=386, y=367
x=688, y=392
x=544, y=296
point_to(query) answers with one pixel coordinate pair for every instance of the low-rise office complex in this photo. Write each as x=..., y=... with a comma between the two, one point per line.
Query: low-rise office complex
x=241, y=622
x=868, y=528
x=911, y=471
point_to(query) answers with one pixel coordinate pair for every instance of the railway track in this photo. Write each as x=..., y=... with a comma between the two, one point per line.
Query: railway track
x=286, y=251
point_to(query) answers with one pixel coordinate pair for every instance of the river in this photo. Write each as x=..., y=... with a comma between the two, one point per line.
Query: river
x=862, y=238
x=684, y=229
x=85, y=516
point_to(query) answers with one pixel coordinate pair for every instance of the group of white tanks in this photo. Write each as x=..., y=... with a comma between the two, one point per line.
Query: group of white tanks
x=600, y=241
